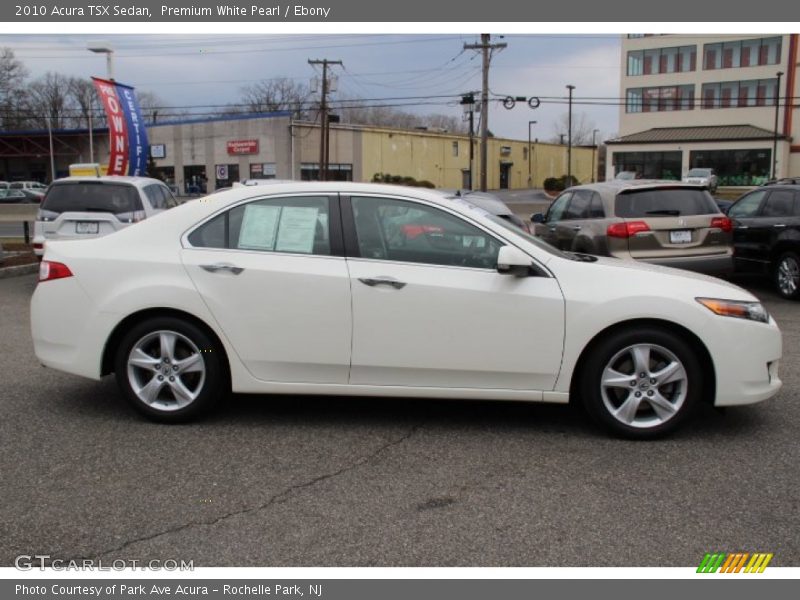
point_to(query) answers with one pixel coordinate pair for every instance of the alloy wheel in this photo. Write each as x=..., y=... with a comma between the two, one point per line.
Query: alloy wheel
x=166, y=370
x=788, y=276
x=644, y=385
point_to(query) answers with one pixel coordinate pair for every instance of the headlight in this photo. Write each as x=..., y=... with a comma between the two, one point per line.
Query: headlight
x=753, y=311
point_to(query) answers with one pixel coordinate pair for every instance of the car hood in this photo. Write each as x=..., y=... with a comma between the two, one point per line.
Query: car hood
x=704, y=284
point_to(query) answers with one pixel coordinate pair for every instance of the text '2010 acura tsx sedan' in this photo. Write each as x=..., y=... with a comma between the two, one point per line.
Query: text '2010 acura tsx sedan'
x=360, y=289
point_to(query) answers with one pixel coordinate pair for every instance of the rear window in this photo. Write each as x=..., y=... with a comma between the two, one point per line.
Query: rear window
x=665, y=202
x=115, y=198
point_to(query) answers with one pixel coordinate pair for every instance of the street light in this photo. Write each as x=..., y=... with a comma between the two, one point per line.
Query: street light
x=530, y=156
x=103, y=47
x=594, y=150
x=569, y=138
x=775, y=136
x=100, y=47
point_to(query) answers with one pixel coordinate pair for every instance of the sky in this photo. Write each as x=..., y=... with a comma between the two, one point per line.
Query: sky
x=425, y=73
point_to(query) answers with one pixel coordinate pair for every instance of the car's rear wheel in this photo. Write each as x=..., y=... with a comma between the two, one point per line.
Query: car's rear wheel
x=170, y=370
x=641, y=383
x=787, y=275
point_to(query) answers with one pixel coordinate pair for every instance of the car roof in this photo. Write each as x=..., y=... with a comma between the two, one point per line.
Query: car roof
x=128, y=179
x=616, y=186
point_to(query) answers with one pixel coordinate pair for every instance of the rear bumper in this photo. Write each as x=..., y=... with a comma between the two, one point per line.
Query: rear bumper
x=718, y=264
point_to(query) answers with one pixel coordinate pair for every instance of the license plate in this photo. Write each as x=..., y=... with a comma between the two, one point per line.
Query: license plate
x=88, y=227
x=684, y=236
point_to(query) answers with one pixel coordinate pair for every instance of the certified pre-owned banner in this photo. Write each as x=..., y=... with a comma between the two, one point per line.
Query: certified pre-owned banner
x=126, y=130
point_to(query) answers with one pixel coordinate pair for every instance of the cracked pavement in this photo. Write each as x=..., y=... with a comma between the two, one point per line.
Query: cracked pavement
x=315, y=481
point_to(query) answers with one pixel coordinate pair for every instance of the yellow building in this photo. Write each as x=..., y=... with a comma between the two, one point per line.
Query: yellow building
x=361, y=152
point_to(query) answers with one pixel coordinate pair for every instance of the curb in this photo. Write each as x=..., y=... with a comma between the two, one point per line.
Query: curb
x=18, y=270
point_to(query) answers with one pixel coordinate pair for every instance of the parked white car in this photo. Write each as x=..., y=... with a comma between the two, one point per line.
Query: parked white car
x=372, y=290
x=85, y=207
x=706, y=177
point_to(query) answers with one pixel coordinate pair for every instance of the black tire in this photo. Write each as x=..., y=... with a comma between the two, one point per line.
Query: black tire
x=786, y=275
x=203, y=390
x=649, y=420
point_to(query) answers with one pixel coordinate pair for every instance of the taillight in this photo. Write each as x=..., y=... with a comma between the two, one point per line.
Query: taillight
x=626, y=230
x=723, y=223
x=38, y=246
x=49, y=270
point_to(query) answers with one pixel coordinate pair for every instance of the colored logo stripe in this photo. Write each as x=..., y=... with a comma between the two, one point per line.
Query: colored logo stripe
x=734, y=562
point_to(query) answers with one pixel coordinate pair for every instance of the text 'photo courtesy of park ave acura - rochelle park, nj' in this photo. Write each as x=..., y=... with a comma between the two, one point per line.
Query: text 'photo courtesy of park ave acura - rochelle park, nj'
x=378, y=299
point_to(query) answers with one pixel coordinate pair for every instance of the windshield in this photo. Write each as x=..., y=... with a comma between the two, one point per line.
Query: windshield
x=538, y=242
x=665, y=202
x=699, y=173
x=83, y=196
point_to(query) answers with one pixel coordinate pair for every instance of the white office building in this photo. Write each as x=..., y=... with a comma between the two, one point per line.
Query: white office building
x=722, y=101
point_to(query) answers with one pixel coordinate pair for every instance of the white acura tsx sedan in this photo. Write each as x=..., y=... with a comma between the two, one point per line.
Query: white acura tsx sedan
x=371, y=290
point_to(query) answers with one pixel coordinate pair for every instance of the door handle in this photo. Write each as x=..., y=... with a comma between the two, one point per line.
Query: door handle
x=216, y=268
x=779, y=225
x=390, y=281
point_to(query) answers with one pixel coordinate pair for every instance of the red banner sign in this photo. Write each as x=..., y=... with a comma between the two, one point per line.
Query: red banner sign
x=117, y=129
x=242, y=147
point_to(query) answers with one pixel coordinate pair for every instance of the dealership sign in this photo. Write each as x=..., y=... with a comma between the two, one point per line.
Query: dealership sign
x=126, y=131
x=242, y=147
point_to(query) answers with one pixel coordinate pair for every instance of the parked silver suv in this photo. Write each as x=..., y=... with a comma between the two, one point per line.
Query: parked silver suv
x=662, y=222
x=83, y=207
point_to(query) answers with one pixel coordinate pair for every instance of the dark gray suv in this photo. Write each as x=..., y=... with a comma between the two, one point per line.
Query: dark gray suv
x=662, y=222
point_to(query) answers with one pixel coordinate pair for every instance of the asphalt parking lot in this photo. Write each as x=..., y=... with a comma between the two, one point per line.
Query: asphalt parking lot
x=310, y=481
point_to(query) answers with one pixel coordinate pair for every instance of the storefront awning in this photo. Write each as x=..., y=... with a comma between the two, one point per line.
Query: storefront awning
x=713, y=133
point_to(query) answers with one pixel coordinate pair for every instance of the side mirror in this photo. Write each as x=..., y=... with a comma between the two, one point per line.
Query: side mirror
x=537, y=218
x=513, y=261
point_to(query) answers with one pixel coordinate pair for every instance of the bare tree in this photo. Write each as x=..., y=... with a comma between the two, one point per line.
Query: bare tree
x=12, y=81
x=582, y=127
x=51, y=102
x=86, y=102
x=272, y=95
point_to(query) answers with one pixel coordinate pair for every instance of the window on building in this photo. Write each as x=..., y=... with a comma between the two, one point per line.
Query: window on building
x=455, y=148
x=650, y=165
x=735, y=167
x=688, y=58
x=662, y=60
x=651, y=63
x=635, y=62
x=742, y=53
x=633, y=100
x=712, y=56
x=770, y=51
x=657, y=99
x=731, y=94
x=336, y=172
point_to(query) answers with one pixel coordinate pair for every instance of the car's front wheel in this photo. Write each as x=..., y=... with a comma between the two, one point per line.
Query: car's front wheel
x=169, y=369
x=641, y=383
x=787, y=275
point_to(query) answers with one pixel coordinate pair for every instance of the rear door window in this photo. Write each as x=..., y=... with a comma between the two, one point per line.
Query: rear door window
x=675, y=202
x=94, y=196
x=780, y=203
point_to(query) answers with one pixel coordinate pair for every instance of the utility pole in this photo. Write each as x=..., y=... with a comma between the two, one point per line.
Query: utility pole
x=485, y=47
x=569, y=138
x=468, y=102
x=594, y=151
x=779, y=74
x=323, y=113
